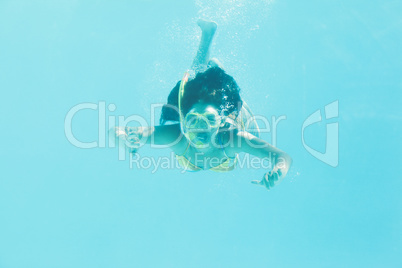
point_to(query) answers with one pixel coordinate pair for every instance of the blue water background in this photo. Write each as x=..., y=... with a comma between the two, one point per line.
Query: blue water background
x=62, y=206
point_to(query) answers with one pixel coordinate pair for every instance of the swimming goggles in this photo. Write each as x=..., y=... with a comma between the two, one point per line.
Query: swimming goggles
x=205, y=120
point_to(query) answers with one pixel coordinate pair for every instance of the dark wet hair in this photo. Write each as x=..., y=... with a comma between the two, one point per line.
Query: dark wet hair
x=213, y=87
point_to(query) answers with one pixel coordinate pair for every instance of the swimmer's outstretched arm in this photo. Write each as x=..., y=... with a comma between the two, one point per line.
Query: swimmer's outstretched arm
x=135, y=137
x=280, y=160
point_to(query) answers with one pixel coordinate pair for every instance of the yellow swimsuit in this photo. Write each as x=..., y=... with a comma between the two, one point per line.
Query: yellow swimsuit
x=228, y=165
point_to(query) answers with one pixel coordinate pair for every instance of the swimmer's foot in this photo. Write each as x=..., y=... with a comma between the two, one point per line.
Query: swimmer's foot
x=214, y=62
x=207, y=26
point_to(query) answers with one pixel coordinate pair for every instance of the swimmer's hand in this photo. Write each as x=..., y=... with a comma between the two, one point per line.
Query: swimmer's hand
x=270, y=179
x=128, y=137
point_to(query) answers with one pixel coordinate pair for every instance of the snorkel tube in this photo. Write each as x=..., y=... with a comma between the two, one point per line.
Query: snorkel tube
x=181, y=93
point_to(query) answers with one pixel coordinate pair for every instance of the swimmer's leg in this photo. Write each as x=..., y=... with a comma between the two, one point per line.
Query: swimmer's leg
x=201, y=59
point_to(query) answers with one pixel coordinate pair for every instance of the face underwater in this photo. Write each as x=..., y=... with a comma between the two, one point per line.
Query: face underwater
x=201, y=123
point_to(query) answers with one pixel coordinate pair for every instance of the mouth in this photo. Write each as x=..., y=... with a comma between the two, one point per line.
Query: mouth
x=200, y=137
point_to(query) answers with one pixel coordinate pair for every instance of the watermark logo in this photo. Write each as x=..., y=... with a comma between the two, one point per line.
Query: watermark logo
x=130, y=139
x=331, y=154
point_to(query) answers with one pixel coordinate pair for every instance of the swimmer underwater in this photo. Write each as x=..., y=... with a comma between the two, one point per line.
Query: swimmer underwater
x=209, y=120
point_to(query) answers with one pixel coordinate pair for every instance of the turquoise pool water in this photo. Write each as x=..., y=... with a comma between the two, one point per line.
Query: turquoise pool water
x=63, y=206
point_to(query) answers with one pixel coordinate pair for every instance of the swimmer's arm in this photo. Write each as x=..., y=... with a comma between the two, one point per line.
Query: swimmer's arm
x=162, y=135
x=135, y=137
x=280, y=160
x=158, y=135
